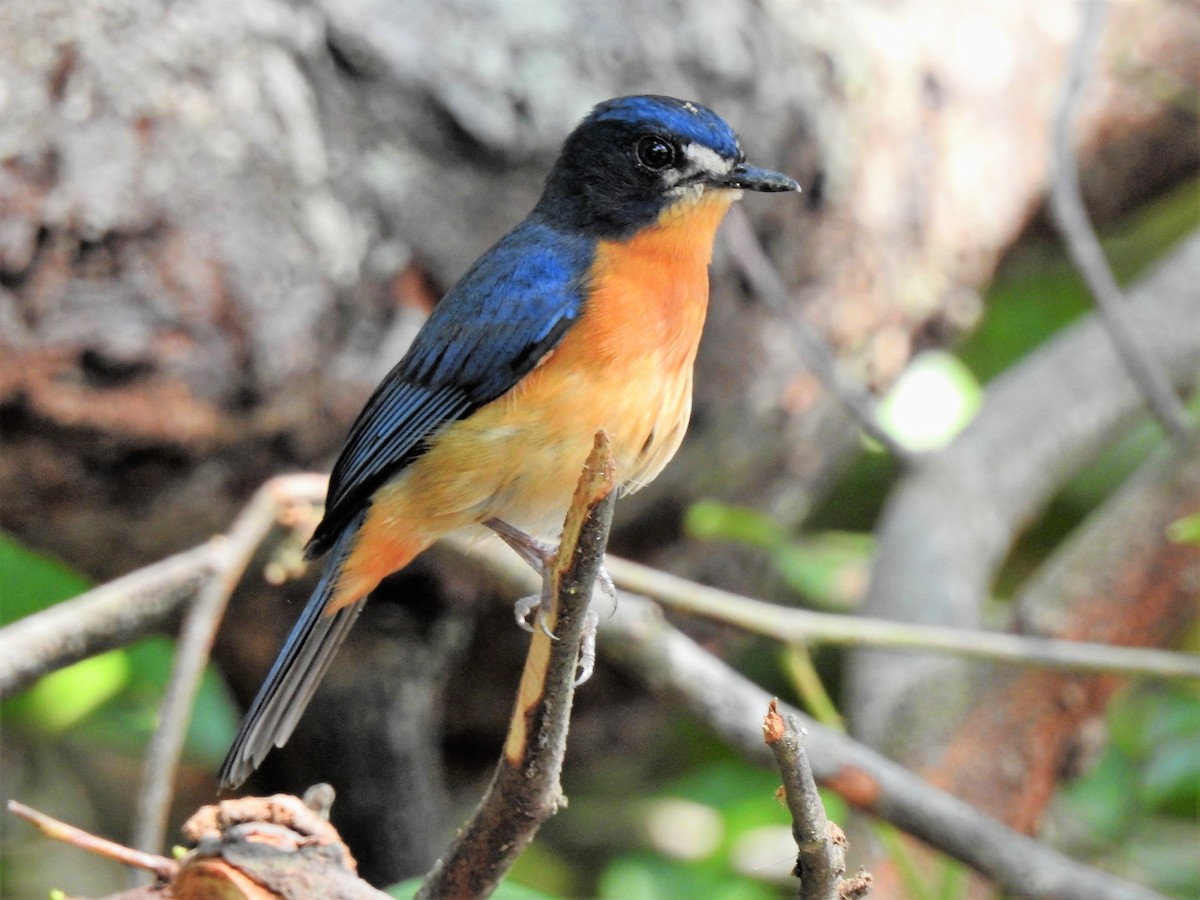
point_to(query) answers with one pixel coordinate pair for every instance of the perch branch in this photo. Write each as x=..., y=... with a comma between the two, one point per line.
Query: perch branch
x=525, y=789
x=148, y=599
x=637, y=637
x=820, y=844
x=1066, y=200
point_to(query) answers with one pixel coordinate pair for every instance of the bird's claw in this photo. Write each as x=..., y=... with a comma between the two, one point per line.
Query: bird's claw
x=607, y=586
x=532, y=604
x=587, y=648
x=587, y=640
x=537, y=554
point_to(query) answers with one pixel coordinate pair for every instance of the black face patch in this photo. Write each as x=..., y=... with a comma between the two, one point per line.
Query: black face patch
x=625, y=162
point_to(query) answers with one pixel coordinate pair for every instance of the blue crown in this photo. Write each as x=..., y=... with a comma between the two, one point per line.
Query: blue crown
x=683, y=119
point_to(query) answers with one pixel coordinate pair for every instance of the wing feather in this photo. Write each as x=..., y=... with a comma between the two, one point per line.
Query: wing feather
x=489, y=331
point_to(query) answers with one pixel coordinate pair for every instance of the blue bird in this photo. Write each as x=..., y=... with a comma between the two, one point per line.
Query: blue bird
x=586, y=316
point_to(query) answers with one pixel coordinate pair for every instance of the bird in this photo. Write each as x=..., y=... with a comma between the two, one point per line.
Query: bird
x=586, y=316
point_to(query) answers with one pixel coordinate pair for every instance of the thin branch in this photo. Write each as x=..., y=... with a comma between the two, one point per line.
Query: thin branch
x=790, y=624
x=163, y=869
x=250, y=847
x=525, y=789
x=1066, y=200
x=666, y=659
x=820, y=844
x=149, y=599
x=769, y=285
x=231, y=554
x=639, y=638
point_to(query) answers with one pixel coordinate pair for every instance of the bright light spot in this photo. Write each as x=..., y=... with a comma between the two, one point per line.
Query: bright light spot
x=983, y=54
x=931, y=402
x=684, y=830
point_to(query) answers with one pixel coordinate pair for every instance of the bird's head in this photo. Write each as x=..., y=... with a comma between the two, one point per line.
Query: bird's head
x=633, y=158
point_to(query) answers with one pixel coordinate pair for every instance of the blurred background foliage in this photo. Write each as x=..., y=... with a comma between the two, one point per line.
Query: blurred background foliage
x=691, y=819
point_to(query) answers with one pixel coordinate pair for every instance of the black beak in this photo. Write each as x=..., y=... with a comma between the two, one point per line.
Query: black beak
x=752, y=178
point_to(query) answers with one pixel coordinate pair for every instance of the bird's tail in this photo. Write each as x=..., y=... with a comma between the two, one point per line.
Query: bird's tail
x=297, y=670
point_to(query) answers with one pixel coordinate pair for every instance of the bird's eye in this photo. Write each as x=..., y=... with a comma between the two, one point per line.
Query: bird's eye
x=655, y=153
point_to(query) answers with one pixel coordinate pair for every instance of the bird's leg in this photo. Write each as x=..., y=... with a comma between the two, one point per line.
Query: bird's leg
x=539, y=556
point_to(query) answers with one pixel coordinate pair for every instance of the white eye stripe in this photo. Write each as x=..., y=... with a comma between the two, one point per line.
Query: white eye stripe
x=707, y=160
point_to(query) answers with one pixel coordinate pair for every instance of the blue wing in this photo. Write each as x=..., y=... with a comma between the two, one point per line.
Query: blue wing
x=506, y=313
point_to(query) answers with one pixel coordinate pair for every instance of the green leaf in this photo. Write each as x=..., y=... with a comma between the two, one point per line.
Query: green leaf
x=1185, y=530
x=62, y=699
x=1164, y=854
x=1106, y=799
x=712, y=520
x=649, y=877
x=1037, y=291
x=30, y=582
x=506, y=890
x=129, y=718
x=829, y=569
x=1171, y=778
x=1142, y=718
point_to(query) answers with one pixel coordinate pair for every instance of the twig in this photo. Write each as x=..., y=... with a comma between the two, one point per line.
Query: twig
x=789, y=624
x=1066, y=200
x=230, y=555
x=820, y=844
x=666, y=659
x=275, y=846
x=767, y=283
x=163, y=869
x=525, y=789
x=149, y=599
x=638, y=637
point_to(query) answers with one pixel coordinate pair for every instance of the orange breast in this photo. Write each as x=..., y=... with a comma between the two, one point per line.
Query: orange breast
x=626, y=366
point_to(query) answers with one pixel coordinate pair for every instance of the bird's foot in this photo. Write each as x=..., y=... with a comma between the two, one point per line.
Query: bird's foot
x=539, y=556
x=533, y=604
x=587, y=640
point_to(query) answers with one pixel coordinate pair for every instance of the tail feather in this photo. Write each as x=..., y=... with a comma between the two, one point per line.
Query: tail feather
x=297, y=670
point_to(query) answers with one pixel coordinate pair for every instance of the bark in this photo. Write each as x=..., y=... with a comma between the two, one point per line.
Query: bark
x=1119, y=580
